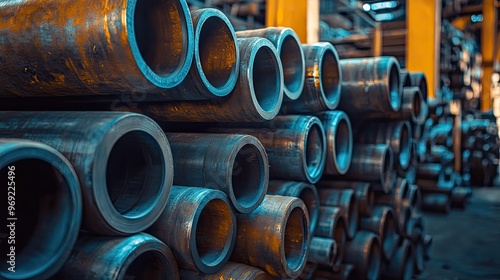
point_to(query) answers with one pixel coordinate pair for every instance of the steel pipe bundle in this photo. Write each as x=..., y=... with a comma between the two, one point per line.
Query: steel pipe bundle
x=322, y=81
x=322, y=251
x=234, y=164
x=140, y=256
x=280, y=243
x=345, y=200
x=364, y=253
x=413, y=105
x=401, y=265
x=331, y=224
x=108, y=47
x=419, y=80
x=383, y=223
x=123, y=162
x=404, y=77
x=43, y=205
x=199, y=226
x=291, y=55
x=365, y=195
x=397, y=200
x=231, y=270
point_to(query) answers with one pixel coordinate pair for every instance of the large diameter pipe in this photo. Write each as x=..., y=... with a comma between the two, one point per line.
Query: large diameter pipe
x=419, y=80
x=322, y=251
x=256, y=97
x=234, y=164
x=306, y=192
x=123, y=162
x=231, y=270
x=364, y=253
x=274, y=237
x=346, y=200
x=383, y=223
x=365, y=195
x=397, y=200
x=331, y=224
x=199, y=226
x=43, y=209
x=321, y=90
x=140, y=256
x=291, y=55
x=401, y=264
x=339, y=141
x=371, y=85
x=108, y=48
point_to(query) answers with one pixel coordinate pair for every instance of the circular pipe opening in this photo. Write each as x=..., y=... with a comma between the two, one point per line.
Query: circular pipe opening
x=149, y=265
x=214, y=231
x=416, y=106
x=330, y=77
x=247, y=176
x=387, y=174
x=134, y=173
x=293, y=65
x=353, y=216
x=423, y=87
x=389, y=242
x=370, y=200
x=266, y=79
x=373, y=260
x=339, y=237
x=331, y=254
x=404, y=146
x=394, y=87
x=314, y=151
x=295, y=239
x=309, y=198
x=343, y=146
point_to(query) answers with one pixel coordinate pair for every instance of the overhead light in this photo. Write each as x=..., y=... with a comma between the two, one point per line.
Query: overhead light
x=366, y=7
x=383, y=5
x=384, y=17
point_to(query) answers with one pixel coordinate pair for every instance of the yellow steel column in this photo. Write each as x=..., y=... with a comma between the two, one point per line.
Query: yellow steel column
x=488, y=33
x=377, y=40
x=300, y=15
x=423, y=40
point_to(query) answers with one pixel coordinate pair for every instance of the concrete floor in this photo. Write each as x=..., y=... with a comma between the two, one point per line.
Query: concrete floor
x=466, y=243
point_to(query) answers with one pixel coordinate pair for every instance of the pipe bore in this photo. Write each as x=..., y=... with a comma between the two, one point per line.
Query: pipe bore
x=264, y=81
x=232, y=270
x=340, y=238
x=390, y=239
x=314, y=153
x=294, y=239
x=387, y=175
x=394, y=87
x=404, y=146
x=373, y=261
x=330, y=78
x=292, y=58
x=343, y=147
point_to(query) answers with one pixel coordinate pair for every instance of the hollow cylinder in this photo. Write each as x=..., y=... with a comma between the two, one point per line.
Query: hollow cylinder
x=346, y=200
x=419, y=80
x=231, y=270
x=412, y=106
x=109, y=47
x=397, y=200
x=274, y=237
x=256, y=97
x=364, y=253
x=322, y=251
x=436, y=202
x=371, y=85
x=401, y=264
x=404, y=78
x=442, y=134
x=321, y=90
x=339, y=141
x=413, y=198
x=419, y=254
x=234, y=164
x=331, y=224
x=42, y=209
x=383, y=223
x=199, y=226
x=460, y=196
x=306, y=192
x=295, y=145
x=123, y=162
x=139, y=256
x=291, y=56
x=365, y=194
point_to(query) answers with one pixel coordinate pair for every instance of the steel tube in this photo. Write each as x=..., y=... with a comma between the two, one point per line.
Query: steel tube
x=331, y=224
x=109, y=47
x=413, y=200
x=140, y=256
x=412, y=106
x=280, y=242
x=365, y=195
x=383, y=223
x=404, y=77
x=339, y=141
x=418, y=79
x=346, y=200
x=396, y=200
x=460, y=196
x=322, y=251
x=123, y=162
x=199, y=226
x=427, y=246
x=436, y=202
x=441, y=134
x=418, y=254
x=364, y=253
x=429, y=171
x=373, y=85
x=234, y=164
x=306, y=192
x=291, y=56
x=321, y=90
x=401, y=265
x=47, y=208
x=231, y=270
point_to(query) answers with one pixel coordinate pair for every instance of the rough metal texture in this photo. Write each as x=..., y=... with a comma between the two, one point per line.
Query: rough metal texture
x=364, y=193
x=306, y=192
x=234, y=164
x=370, y=85
x=412, y=106
x=140, y=256
x=231, y=270
x=47, y=208
x=322, y=81
x=291, y=55
x=331, y=224
x=60, y=47
x=418, y=79
x=322, y=251
x=342, y=272
x=364, y=253
x=339, y=141
x=401, y=264
x=404, y=77
x=397, y=199
x=123, y=162
x=383, y=223
x=274, y=237
x=346, y=200
x=199, y=226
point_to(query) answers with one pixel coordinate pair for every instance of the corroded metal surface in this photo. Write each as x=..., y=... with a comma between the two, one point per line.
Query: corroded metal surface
x=346, y=200
x=331, y=224
x=231, y=270
x=322, y=251
x=364, y=253
x=365, y=194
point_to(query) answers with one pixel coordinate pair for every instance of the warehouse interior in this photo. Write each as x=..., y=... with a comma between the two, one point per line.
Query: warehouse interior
x=250, y=139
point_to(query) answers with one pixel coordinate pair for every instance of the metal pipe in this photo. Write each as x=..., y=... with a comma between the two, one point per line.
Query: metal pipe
x=441, y=134
x=331, y=224
x=139, y=256
x=306, y=192
x=295, y=146
x=123, y=162
x=436, y=202
x=427, y=246
x=308, y=271
x=429, y=171
x=460, y=197
x=234, y=164
x=401, y=264
x=274, y=237
x=107, y=48
x=291, y=55
x=373, y=85
x=404, y=77
x=339, y=141
x=199, y=226
x=45, y=212
x=383, y=223
x=418, y=79
x=322, y=251
x=346, y=200
x=257, y=96
x=365, y=195
x=412, y=106
x=321, y=90
x=231, y=270
x=413, y=200
x=418, y=252
x=364, y=253
x=396, y=200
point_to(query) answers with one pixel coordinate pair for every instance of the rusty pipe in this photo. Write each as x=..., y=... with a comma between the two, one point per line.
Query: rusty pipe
x=373, y=85
x=291, y=55
x=280, y=242
x=45, y=212
x=321, y=90
x=346, y=200
x=199, y=226
x=419, y=80
x=436, y=202
x=401, y=264
x=365, y=195
x=364, y=253
x=339, y=141
x=231, y=270
x=108, y=47
x=460, y=197
x=383, y=223
x=306, y=192
x=322, y=251
x=234, y=164
x=123, y=162
x=331, y=224
x=429, y=171
x=139, y=256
